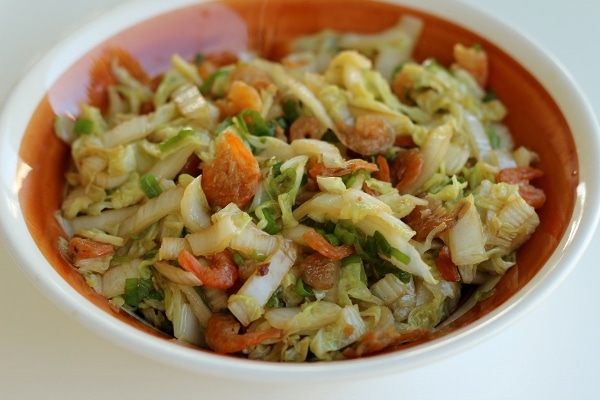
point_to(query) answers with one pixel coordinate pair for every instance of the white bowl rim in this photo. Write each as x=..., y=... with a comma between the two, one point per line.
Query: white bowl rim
x=553, y=76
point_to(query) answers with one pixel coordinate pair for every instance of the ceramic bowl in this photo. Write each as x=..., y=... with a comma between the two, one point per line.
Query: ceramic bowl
x=547, y=113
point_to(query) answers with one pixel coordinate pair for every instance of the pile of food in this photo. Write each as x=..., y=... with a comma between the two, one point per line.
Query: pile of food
x=330, y=205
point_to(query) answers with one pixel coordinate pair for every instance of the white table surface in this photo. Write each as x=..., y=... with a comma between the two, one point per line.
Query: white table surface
x=552, y=353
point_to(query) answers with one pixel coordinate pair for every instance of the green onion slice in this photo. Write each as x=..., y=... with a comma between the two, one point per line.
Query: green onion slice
x=494, y=138
x=255, y=124
x=489, y=96
x=351, y=259
x=345, y=234
x=302, y=289
x=237, y=258
x=384, y=246
x=258, y=255
x=136, y=290
x=164, y=146
x=149, y=255
x=272, y=226
x=330, y=136
x=400, y=256
x=332, y=239
x=211, y=79
x=275, y=300
x=290, y=110
x=150, y=186
x=226, y=123
x=83, y=126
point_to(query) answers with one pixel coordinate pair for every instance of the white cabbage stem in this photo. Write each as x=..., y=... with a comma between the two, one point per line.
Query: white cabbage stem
x=303, y=320
x=434, y=152
x=195, y=210
x=466, y=239
x=303, y=93
x=170, y=247
x=153, y=210
x=248, y=303
x=213, y=239
x=113, y=281
x=478, y=137
x=251, y=240
x=133, y=129
x=177, y=275
x=326, y=152
x=199, y=308
x=168, y=167
x=107, y=221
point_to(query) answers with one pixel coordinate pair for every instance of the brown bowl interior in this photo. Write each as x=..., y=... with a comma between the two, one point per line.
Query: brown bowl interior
x=534, y=118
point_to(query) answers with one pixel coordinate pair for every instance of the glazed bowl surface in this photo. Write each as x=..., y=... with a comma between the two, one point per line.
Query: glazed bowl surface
x=547, y=113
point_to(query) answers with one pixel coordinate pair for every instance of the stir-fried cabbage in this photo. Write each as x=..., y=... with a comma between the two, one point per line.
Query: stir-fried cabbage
x=297, y=210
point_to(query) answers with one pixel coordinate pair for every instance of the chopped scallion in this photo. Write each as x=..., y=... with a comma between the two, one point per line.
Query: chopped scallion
x=277, y=169
x=494, y=138
x=150, y=186
x=283, y=182
x=149, y=255
x=255, y=123
x=329, y=226
x=272, y=227
x=302, y=289
x=351, y=259
x=330, y=136
x=382, y=244
x=321, y=231
x=275, y=300
x=489, y=96
x=290, y=110
x=370, y=247
x=83, y=126
x=131, y=295
x=382, y=268
x=237, y=258
x=258, y=255
x=400, y=256
x=226, y=123
x=332, y=239
x=164, y=146
x=207, y=85
x=136, y=290
x=387, y=250
x=345, y=235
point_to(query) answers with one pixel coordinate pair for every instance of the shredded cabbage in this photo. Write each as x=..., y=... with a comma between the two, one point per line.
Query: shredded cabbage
x=356, y=193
